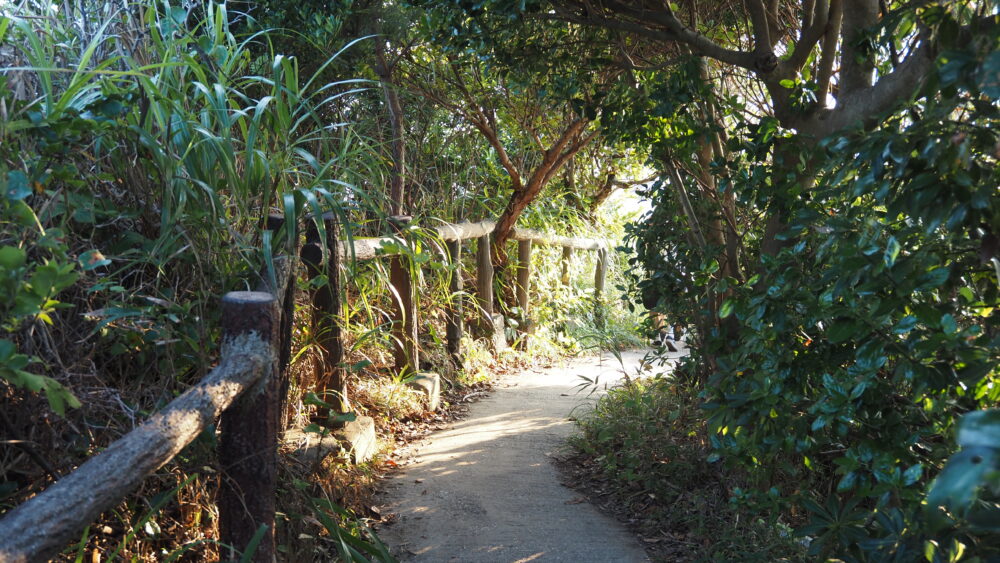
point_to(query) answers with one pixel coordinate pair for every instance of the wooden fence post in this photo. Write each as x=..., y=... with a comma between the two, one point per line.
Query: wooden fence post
x=523, y=275
x=454, y=328
x=406, y=351
x=567, y=255
x=491, y=325
x=524, y=288
x=600, y=275
x=249, y=443
x=328, y=371
x=484, y=278
x=284, y=267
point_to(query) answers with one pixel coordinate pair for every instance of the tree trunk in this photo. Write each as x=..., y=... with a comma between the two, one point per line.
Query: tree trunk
x=569, y=144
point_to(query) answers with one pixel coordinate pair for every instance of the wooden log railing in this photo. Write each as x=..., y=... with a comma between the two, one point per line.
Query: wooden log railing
x=247, y=389
x=406, y=350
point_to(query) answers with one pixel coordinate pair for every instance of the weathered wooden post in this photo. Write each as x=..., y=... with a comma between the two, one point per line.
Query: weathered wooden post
x=523, y=274
x=454, y=328
x=600, y=275
x=523, y=289
x=284, y=269
x=328, y=371
x=484, y=277
x=567, y=256
x=492, y=324
x=406, y=352
x=249, y=443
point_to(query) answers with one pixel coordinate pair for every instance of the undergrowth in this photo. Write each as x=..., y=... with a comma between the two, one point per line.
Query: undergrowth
x=646, y=441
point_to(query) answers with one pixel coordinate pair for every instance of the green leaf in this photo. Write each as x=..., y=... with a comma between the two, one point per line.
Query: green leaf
x=345, y=417
x=957, y=485
x=891, y=252
x=930, y=548
x=7, y=350
x=59, y=397
x=989, y=76
x=726, y=309
x=359, y=366
x=847, y=482
x=948, y=324
x=966, y=293
x=913, y=474
x=934, y=278
x=980, y=428
x=17, y=185
x=92, y=259
x=12, y=257
x=841, y=331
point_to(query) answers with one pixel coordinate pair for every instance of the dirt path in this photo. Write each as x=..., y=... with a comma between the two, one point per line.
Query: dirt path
x=484, y=489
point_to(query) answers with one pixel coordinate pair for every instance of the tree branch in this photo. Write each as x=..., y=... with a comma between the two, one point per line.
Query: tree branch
x=758, y=19
x=485, y=126
x=856, y=64
x=568, y=154
x=868, y=103
x=807, y=39
x=828, y=52
x=671, y=29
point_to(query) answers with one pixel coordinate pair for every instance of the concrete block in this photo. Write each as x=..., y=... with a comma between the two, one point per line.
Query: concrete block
x=357, y=437
x=430, y=385
x=499, y=336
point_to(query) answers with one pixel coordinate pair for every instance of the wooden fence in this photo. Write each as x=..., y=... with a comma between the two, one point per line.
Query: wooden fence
x=247, y=388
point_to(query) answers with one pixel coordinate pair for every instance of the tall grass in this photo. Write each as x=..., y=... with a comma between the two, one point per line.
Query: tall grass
x=200, y=138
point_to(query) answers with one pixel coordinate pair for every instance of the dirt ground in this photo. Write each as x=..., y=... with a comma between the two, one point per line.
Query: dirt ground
x=485, y=489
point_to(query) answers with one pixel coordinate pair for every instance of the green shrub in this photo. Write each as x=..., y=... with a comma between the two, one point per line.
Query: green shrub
x=648, y=437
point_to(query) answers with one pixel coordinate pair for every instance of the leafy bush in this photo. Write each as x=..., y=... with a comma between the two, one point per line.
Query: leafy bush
x=838, y=368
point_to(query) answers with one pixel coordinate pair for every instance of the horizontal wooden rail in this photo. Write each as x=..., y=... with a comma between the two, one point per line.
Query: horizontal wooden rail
x=41, y=527
x=368, y=248
x=38, y=529
x=463, y=231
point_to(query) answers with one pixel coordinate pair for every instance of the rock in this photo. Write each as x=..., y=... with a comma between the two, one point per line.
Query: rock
x=430, y=385
x=357, y=437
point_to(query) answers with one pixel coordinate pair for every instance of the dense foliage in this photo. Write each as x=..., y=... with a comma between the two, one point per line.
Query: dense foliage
x=829, y=233
x=856, y=347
